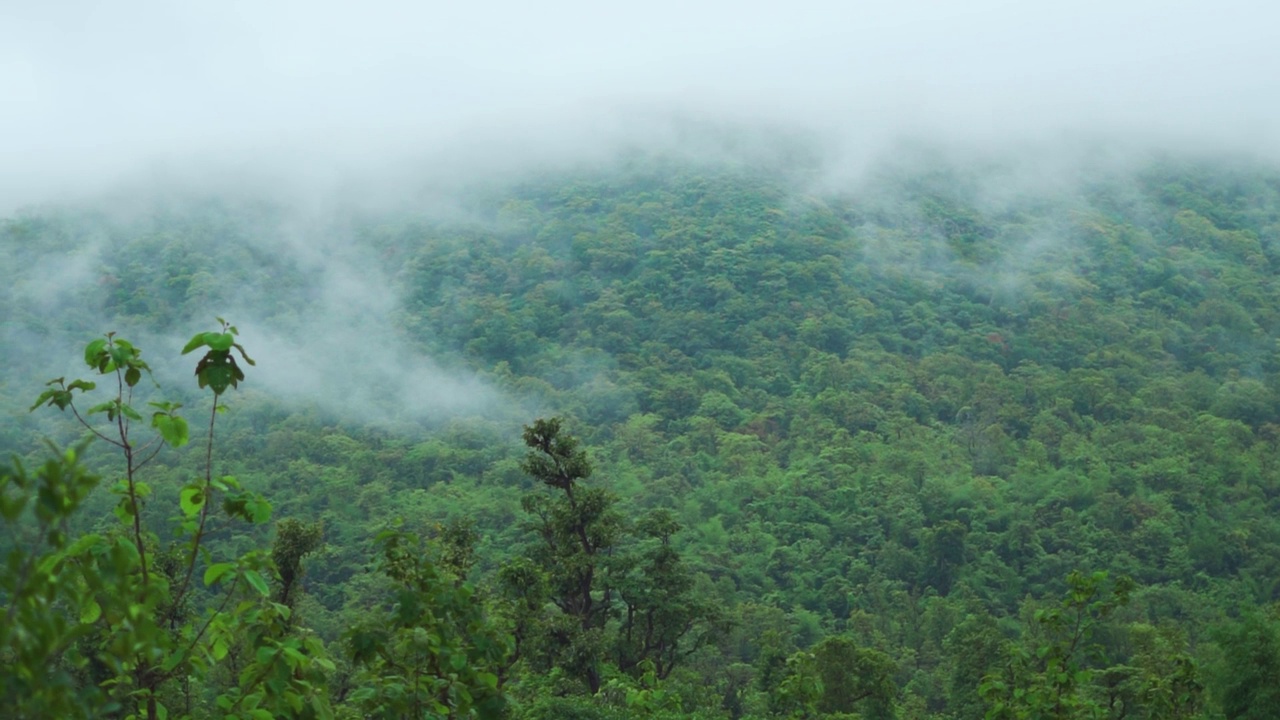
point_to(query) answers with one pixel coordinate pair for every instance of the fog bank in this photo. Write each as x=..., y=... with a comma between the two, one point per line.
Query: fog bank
x=319, y=91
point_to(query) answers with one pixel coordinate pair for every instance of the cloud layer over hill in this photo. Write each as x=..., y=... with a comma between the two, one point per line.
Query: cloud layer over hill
x=95, y=90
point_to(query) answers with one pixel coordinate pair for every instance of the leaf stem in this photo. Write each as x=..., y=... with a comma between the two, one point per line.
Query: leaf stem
x=204, y=506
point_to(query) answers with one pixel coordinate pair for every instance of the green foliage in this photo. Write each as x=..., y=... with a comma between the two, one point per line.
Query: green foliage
x=41, y=654
x=431, y=652
x=577, y=530
x=663, y=620
x=295, y=540
x=1247, y=680
x=1164, y=679
x=217, y=369
x=854, y=679
x=895, y=418
x=799, y=689
x=106, y=623
x=554, y=457
x=1053, y=679
x=633, y=606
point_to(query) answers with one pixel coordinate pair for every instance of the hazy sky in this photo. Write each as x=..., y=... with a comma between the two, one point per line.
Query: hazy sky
x=89, y=90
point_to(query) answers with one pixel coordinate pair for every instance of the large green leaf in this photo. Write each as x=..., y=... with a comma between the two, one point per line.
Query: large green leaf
x=217, y=370
x=90, y=613
x=255, y=579
x=172, y=428
x=93, y=352
x=192, y=499
x=195, y=342
x=221, y=342
x=216, y=571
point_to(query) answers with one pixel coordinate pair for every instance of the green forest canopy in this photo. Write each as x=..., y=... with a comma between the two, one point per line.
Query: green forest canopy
x=912, y=451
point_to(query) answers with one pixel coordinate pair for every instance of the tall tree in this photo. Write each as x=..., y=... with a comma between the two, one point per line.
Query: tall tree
x=577, y=530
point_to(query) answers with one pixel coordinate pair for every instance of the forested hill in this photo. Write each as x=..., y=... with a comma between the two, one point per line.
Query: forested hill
x=890, y=420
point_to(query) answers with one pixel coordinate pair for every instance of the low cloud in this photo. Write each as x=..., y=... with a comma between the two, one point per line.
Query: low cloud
x=98, y=92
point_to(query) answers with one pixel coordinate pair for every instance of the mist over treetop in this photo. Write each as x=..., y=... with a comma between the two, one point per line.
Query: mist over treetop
x=524, y=289
x=325, y=89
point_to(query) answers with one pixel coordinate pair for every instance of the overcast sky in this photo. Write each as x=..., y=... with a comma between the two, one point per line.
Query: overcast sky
x=93, y=90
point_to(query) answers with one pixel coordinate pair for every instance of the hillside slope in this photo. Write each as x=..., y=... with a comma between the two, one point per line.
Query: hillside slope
x=902, y=414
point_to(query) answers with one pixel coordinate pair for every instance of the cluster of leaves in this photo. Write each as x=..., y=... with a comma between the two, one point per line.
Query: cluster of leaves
x=433, y=653
x=144, y=639
x=112, y=624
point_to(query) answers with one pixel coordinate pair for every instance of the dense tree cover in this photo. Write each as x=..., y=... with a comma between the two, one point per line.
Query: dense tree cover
x=946, y=446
